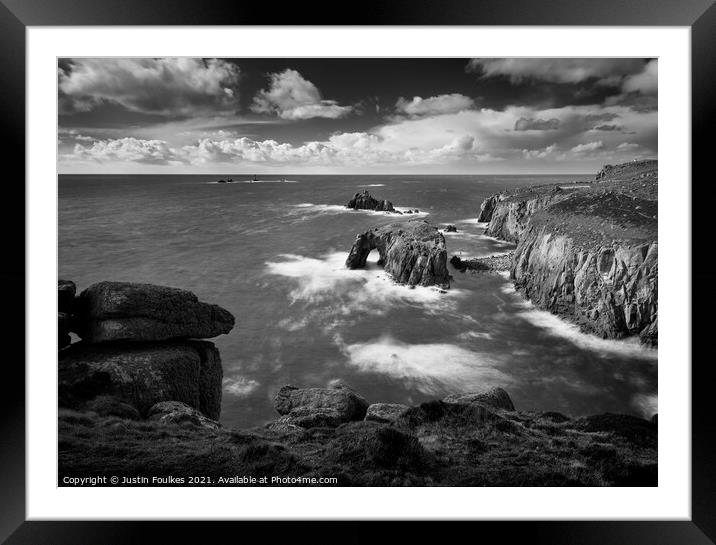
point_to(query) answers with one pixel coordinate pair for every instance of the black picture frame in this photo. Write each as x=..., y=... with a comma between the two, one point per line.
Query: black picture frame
x=16, y=15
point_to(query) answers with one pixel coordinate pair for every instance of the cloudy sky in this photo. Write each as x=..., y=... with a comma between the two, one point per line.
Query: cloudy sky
x=299, y=116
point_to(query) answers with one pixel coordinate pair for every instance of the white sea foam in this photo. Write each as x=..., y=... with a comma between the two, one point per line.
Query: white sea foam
x=430, y=367
x=308, y=207
x=239, y=387
x=475, y=335
x=560, y=328
x=372, y=185
x=327, y=280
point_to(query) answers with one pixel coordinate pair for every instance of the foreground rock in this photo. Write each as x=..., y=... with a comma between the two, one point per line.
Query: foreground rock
x=413, y=252
x=116, y=311
x=65, y=299
x=318, y=407
x=494, y=397
x=142, y=374
x=365, y=201
x=385, y=412
x=588, y=252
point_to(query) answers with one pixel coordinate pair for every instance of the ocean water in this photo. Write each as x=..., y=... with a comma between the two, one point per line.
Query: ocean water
x=272, y=253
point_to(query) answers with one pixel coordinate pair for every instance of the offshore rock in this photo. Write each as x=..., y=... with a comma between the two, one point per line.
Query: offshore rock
x=66, y=290
x=117, y=311
x=142, y=374
x=413, y=252
x=365, y=201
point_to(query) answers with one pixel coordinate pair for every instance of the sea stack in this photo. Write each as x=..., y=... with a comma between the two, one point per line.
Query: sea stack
x=413, y=252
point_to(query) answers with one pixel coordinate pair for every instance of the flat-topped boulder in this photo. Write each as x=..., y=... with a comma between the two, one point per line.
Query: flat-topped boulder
x=385, y=412
x=413, y=252
x=124, y=311
x=312, y=407
x=497, y=398
x=142, y=374
x=365, y=201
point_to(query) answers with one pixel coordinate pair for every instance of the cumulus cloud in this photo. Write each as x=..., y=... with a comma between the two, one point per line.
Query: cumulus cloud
x=564, y=70
x=464, y=138
x=291, y=96
x=440, y=104
x=523, y=124
x=127, y=150
x=543, y=153
x=627, y=146
x=166, y=86
x=588, y=147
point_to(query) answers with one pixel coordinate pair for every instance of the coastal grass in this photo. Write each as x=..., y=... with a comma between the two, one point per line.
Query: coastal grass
x=435, y=444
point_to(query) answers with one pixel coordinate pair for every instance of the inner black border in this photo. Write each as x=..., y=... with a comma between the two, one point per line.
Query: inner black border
x=16, y=15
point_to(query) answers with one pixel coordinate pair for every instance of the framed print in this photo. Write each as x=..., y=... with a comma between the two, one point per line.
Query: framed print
x=398, y=267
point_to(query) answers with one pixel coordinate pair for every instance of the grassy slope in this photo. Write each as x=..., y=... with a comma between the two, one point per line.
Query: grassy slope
x=434, y=444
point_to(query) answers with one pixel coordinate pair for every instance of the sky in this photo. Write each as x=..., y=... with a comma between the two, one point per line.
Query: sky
x=354, y=115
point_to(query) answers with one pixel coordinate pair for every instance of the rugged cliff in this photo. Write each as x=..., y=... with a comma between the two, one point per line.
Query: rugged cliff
x=413, y=252
x=589, y=252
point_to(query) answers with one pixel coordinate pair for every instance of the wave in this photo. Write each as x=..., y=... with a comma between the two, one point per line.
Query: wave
x=431, y=368
x=372, y=185
x=309, y=207
x=325, y=280
x=239, y=387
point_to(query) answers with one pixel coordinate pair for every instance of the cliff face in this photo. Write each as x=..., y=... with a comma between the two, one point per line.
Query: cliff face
x=610, y=290
x=510, y=216
x=588, y=254
x=413, y=252
x=488, y=206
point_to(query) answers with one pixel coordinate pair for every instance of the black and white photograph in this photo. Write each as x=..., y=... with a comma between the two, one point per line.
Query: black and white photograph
x=351, y=272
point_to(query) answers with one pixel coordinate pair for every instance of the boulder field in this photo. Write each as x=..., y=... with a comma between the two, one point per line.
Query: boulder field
x=587, y=252
x=468, y=439
x=413, y=252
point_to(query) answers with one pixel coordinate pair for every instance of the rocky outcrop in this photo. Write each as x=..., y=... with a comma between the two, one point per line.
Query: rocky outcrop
x=609, y=290
x=142, y=374
x=365, y=201
x=175, y=412
x=413, y=252
x=385, y=412
x=588, y=254
x=118, y=311
x=497, y=398
x=137, y=351
x=319, y=407
x=65, y=300
x=488, y=207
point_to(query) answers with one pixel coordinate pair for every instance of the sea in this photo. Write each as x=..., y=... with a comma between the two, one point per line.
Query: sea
x=272, y=252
